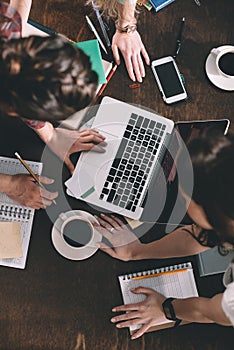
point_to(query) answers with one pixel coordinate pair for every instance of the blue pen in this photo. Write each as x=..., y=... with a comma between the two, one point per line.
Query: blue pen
x=104, y=32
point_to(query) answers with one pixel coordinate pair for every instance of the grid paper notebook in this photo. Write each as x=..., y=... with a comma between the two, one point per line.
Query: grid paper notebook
x=12, y=211
x=172, y=281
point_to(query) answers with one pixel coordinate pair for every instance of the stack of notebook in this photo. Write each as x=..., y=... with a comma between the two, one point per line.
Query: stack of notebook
x=154, y=5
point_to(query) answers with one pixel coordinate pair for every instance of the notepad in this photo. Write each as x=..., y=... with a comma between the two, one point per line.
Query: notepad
x=11, y=211
x=172, y=281
x=10, y=240
x=91, y=49
x=211, y=262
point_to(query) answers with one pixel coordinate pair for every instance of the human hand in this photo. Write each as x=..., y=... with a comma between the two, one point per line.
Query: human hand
x=124, y=244
x=65, y=142
x=23, y=189
x=147, y=313
x=132, y=49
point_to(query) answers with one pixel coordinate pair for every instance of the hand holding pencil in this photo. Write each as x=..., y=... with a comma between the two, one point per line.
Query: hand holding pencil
x=24, y=189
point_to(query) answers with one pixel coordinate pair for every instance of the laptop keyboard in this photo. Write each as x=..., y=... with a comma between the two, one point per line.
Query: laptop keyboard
x=133, y=161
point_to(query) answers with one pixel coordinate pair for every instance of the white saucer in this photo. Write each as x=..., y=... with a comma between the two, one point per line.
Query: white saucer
x=74, y=253
x=215, y=77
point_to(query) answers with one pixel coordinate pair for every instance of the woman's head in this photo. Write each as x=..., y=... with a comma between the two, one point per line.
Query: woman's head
x=44, y=78
x=212, y=156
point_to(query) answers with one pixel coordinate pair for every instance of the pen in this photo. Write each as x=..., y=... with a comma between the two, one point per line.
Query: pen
x=95, y=33
x=99, y=17
x=47, y=30
x=36, y=178
x=110, y=75
x=179, y=38
x=159, y=274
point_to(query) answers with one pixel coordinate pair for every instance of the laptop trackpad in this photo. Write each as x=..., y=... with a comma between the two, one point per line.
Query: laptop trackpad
x=99, y=160
x=99, y=164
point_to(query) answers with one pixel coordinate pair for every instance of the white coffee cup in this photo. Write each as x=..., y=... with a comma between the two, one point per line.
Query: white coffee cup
x=77, y=231
x=224, y=60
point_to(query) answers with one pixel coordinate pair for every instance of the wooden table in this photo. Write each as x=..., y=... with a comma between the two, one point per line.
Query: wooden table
x=59, y=304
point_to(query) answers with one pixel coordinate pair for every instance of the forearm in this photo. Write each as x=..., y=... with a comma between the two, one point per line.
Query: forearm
x=126, y=13
x=46, y=132
x=201, y=310
x=176, y=244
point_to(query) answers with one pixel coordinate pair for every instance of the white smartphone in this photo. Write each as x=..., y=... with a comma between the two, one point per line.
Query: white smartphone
x=168, y=79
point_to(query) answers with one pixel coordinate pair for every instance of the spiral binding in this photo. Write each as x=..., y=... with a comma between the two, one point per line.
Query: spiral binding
x=186, y=265
x=14, y=212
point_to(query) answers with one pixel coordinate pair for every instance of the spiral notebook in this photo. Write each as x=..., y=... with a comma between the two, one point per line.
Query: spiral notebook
x=12, y=211
x=172, y=281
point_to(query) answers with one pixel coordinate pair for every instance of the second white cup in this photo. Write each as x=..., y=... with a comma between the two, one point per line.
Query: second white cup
x=224, y=60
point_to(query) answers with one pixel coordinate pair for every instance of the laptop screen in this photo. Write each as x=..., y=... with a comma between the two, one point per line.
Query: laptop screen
x=167, y=180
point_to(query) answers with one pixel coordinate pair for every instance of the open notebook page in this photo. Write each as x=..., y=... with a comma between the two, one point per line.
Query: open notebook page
x=173, y=281
x=12, y=211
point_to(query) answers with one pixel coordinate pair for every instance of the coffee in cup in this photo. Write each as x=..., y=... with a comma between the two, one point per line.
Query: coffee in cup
x=77, y=231
x=226, y=63
x=224, y=60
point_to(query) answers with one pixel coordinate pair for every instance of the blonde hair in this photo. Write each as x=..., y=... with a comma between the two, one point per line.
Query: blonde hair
x=108, y=7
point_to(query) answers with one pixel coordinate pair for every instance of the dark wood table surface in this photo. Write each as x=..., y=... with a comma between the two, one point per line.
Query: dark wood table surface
x=60, y=304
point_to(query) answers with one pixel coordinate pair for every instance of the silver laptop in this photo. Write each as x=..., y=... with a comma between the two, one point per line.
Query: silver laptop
x=118, y=179
x=138, y=175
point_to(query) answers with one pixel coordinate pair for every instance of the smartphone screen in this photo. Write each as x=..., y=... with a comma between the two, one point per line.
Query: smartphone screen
x=169, y=79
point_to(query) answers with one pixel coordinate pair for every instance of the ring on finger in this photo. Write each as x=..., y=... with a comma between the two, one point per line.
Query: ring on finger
x=112, y=229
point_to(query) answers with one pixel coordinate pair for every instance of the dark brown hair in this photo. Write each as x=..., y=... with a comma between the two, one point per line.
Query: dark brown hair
x=44, y=78
x=212, y=156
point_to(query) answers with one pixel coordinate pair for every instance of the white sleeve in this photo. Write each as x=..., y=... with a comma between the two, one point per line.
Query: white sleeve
x=228, y=302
